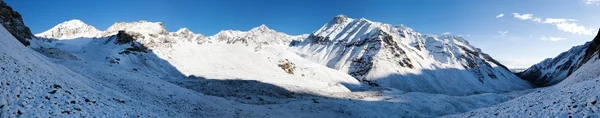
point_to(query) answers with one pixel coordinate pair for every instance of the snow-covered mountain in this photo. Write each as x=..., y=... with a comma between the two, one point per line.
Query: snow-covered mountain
x=376, y=53
x=35, y=86
x=575, y=96
x=399, y=57
x=554, y=70
x=71, y=29
x=260, y=35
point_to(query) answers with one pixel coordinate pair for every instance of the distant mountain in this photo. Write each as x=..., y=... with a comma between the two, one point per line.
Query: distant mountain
x=517, y=70
x=554, y=70
x=70, y=30
x=399, y=57
x=575, y=93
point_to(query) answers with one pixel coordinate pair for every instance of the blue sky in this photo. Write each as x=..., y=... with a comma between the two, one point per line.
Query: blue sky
x=541, y=29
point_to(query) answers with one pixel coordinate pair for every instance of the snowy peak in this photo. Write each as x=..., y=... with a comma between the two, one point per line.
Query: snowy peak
x=261, y=28
x=143, y=27
x=257, y=36
x=187, y=34
x=340, y=19
x=71, y=29
x=74, y=22
x=396, y=56
x=184, y=31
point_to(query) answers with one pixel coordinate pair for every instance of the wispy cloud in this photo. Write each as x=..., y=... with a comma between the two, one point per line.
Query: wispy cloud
x=500, y=16
x=557, y=20
x=523, y=16
x=446, y=33
x=592, y=2
x=552, y=38
x=562, y=24
x=502, y=32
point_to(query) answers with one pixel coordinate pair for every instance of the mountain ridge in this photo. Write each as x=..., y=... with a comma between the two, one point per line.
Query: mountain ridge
x=554, y=70
x=397, y=56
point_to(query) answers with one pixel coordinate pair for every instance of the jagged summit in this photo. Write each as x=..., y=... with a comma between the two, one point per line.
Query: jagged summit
x=184, y=30
x=340, y=19
x=261, y=35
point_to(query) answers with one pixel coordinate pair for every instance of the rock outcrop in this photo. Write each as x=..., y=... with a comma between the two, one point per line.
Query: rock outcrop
x=13, y=22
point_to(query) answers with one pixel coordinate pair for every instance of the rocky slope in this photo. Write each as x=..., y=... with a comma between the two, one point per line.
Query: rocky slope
x=398, y=57
x=13, y=22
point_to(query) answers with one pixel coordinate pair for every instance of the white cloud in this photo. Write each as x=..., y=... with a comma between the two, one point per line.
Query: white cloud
x=592, y=2
x=562, y=24
x=552, y=38
x=446, y=33
x=557, y=20
x=539, y=20
x=502, y=32
x=523, y=16
x=500, y=16
x=574, y=28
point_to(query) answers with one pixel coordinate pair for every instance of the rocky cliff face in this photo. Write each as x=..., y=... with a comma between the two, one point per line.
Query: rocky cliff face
x=591, y=50
x=13, y=22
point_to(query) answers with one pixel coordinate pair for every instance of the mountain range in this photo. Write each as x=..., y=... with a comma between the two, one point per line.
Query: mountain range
x=374, y=53
x=347, y=68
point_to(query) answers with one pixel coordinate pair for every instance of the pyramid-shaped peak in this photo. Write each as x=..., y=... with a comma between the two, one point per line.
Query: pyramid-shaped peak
x=71, y=29
x=262, y=27
x=184, y=30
